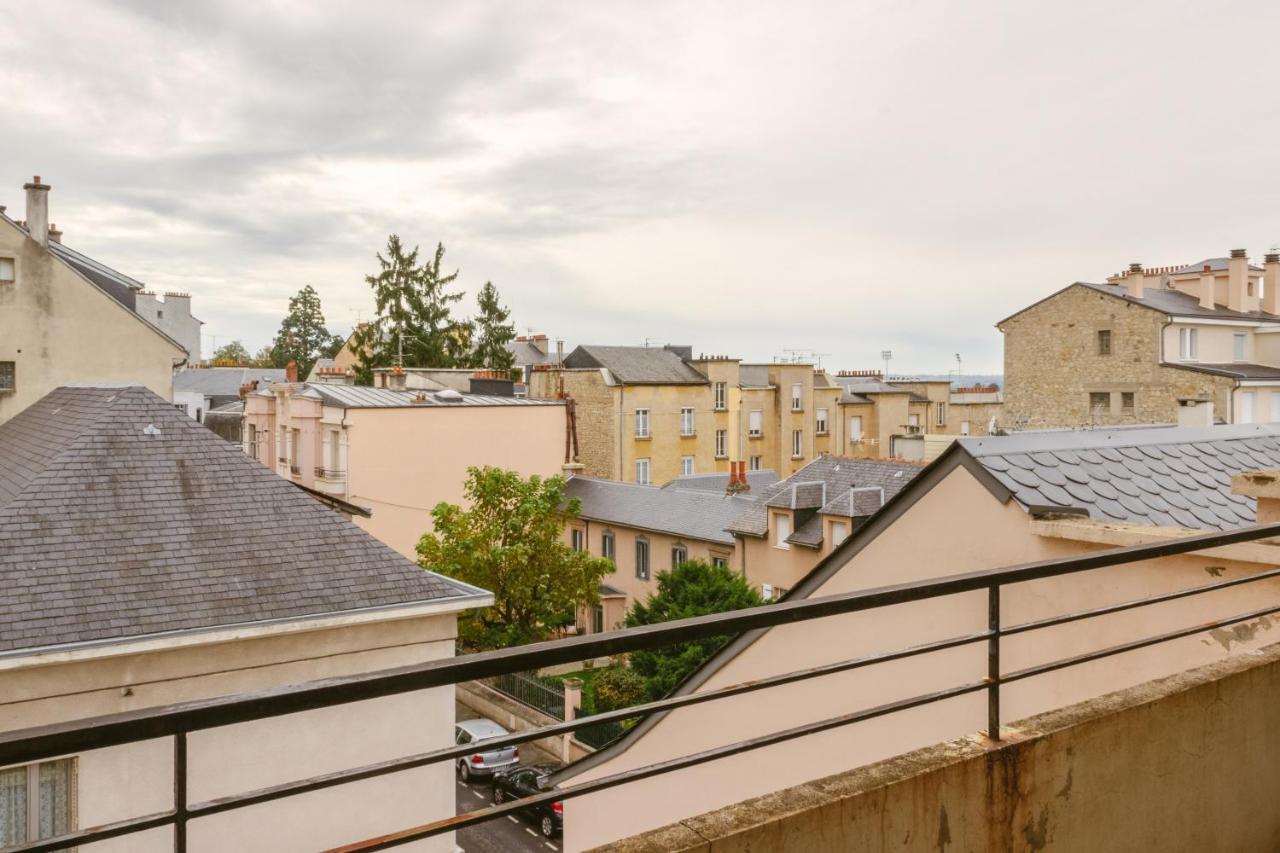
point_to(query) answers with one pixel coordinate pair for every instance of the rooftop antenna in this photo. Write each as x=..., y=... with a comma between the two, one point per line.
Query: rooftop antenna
x=886, y=355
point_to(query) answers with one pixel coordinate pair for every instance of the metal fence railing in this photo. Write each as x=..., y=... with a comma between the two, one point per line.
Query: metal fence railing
x=543, y=694
x=177, y=721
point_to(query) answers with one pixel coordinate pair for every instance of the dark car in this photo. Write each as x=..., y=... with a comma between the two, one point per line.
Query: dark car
x=521, y=782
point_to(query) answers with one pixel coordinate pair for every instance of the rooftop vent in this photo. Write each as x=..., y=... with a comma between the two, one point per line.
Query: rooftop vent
x=448, y=395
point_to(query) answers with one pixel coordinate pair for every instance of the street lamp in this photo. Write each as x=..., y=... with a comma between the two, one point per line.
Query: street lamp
x=886, y=355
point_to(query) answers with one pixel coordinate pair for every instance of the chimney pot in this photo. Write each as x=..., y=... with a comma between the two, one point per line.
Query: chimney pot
x=1135, y=267
x=1238, y=253
x=291, y=371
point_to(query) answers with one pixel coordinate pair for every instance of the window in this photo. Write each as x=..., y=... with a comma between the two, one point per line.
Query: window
x=642, y=558
x=577, y=538
x=754, y=463
x=679, y=554
x=1188, y=344
x=597, y=620
x=913, y=420
x=686, y=421
x=781, y=530
x=642, y=471
x=720, y=561
x=721, y=390
x=820, y=422
x=964, y=427
x=642, y=423
x=335, y=450
x=1126, y=402
x=608, y=545
x=722, y=443
x=8, y=376
x=686, y=466
x=755, y=423
x=7, y=274
x=766, y=591
x=253, y=441
x=37, y=801
x=797, y=443
x=855, y=429
x=1104, y=342
x=1099, y=404
x=797, y=396
x=839, y=530
x=295, y=442
x=282, y=445
x=1245, y=415
x=1239, y=340
x=940, y=417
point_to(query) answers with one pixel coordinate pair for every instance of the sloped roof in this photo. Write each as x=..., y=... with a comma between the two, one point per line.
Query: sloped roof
x=720, y=481
x=1166, y=300
x=693, y=514
x=637, y=365
x=108, y=532
x=1236, y=370
x=1214, y=265
x=753, y=376
x=363, y=397
x=526, y=352
x=224, y=381
x=1163, y=476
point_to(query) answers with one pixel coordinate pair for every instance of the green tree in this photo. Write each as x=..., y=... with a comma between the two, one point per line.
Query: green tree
x=618, y=687
x=335, y=345
x=265, y=357
x=414, y=306
x=693, y=588
x=366, y=344
x=511, y=541
x=302, y=336
x=494, y=332
x=233, y=354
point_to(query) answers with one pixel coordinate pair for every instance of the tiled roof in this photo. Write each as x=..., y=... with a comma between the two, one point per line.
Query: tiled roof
x=838, y=475
x=526, y=353
x=1179, y=304
x=224, y=381
x=108, y=532
x=362, y=397
x=637, y=365
x=719, y=482
x=1214, y=265
x=1236, y=370
x=1178, y=477
x=694, y=514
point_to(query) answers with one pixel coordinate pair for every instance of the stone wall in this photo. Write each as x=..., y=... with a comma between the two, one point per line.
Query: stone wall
x=1052, y=365
x=597, y=413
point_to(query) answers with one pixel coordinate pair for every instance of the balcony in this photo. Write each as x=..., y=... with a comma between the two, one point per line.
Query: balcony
x=1094, y=776
x=331, y=481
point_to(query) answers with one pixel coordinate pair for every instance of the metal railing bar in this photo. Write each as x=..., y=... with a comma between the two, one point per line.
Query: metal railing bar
x=1131, y=604
x=1109, y=651
x=462, y=821
x=396, y=765
x=21, y=746
x=102, y=832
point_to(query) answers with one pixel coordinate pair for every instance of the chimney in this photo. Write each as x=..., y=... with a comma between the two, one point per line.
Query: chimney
x=539, y=343
x=1271, y=283
x=1206, y=287
x=1135, y=280
x=559, y=350
x=1237, y=279
x=38, y=211
x=1195, y=412
x=737, y=479
x=1264, y=487
x=54, y=234
x=291, y=371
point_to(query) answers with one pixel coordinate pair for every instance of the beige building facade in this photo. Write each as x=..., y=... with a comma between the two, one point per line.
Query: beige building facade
x=964, y=513
x=1191, y=344
x=65, y=319
x=398, y=453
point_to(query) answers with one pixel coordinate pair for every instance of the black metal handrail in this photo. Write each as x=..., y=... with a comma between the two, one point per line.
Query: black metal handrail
x=178, y=720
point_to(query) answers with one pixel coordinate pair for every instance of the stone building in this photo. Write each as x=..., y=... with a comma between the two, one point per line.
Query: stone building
x=1192, y=344
x=171, y=313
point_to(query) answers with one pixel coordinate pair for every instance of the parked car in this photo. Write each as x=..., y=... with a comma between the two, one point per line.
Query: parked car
x=525, y=782
x=484, y=762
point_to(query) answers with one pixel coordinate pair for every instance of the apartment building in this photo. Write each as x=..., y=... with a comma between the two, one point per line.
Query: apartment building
x=398, y=452
x=1195, y=343
x=68, y=319
x=651, y=414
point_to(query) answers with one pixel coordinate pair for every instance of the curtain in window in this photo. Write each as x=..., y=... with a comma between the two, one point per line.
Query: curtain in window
x=55, y=798
x=13, y=806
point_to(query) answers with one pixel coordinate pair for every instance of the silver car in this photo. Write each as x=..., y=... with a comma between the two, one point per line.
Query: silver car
x=483, y=762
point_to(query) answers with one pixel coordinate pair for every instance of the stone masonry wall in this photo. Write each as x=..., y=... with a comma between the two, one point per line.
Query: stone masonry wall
x=1052, y=364
x=597, y=415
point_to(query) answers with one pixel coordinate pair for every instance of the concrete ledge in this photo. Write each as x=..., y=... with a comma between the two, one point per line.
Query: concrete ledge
x=1182, y=763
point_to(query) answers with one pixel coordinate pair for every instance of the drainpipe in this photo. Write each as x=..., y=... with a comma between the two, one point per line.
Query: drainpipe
x=622, y=425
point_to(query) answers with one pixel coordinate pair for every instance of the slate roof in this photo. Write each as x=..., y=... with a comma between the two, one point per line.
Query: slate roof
x=1166, y=476
x=362, y=397
x=224, y=381
x=1236, y=370
x=637, y=365
x=694, y=514
x=114, y=283
x=719, y=482
x=753, y=376
x=526, y=352
x=1179, y=304
x=107, y=532
x=837, y=474
x=1214, y=264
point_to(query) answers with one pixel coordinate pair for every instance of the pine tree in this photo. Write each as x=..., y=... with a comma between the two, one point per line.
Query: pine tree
x=398, y=302
x=302, y=336
x=440, y=340
x=494, y=332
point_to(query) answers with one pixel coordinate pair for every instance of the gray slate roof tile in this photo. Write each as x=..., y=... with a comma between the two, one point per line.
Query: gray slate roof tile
x=689, y=513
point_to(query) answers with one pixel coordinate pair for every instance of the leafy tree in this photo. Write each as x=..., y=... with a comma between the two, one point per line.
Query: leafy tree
x=618, y=687
x=494, y=332
x=511, y=541
x=233, y=354
x=334, y=346
x=302, y=336
x=265, y=357
x=693, y=588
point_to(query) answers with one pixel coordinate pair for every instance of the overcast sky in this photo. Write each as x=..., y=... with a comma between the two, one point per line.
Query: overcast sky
x=744, y=177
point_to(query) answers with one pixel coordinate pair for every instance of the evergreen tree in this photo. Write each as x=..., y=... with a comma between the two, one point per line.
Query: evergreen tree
x=440, y=340
x=494, y=332
x=398, y=301
x=366, y=344
x=302, y=336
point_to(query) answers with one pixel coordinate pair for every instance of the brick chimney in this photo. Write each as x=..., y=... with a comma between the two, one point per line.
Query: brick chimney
x=38, y=211
x=1237, y=280
x=1135, y=280
x=1271, y=283
x=1206, y=287
x=291, y=371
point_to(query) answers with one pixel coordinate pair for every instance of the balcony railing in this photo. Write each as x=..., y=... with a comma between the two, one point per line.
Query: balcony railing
x=330, y=474
x=177, y=721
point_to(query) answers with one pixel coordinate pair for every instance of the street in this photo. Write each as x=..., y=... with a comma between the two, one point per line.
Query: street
x=509, y=834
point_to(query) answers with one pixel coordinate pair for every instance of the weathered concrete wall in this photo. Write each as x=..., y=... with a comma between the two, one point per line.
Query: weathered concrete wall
x=597, y=413
x=1182, y=763
x=517, y=717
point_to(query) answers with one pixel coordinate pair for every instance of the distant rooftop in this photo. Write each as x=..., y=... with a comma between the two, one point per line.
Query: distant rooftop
x=363, y=397
x=718, y=482
x=688, y=513
x=639, y=365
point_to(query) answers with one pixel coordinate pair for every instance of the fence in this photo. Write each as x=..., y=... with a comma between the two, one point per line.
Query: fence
x=547, y=695
x=176, y=721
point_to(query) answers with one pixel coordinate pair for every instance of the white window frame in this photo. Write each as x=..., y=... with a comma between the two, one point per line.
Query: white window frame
x=577, y=538
x=797, y=444
x=781, y=530
x=1247, y=409
x=797, y=396
x=679, y=554
x=754, y=463
x=820, y=421
x=8, y=265
x=913, y=419
x=1239, y=346
x=964, y=427
x=855, y=429
x=642, y=423
x=33, y=797
x=843, y=527
x=722, y=443
x=755, y=423
x=686, y=466
x=686, y=421
x=609, y=546
x=251, y=440
x=721, y=390
x=766, y=591
x=1189, y=344
x=644, y=471
x=941, y=417
x=643, y=557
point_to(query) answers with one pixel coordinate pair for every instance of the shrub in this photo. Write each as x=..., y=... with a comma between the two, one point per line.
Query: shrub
x=618, y=687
